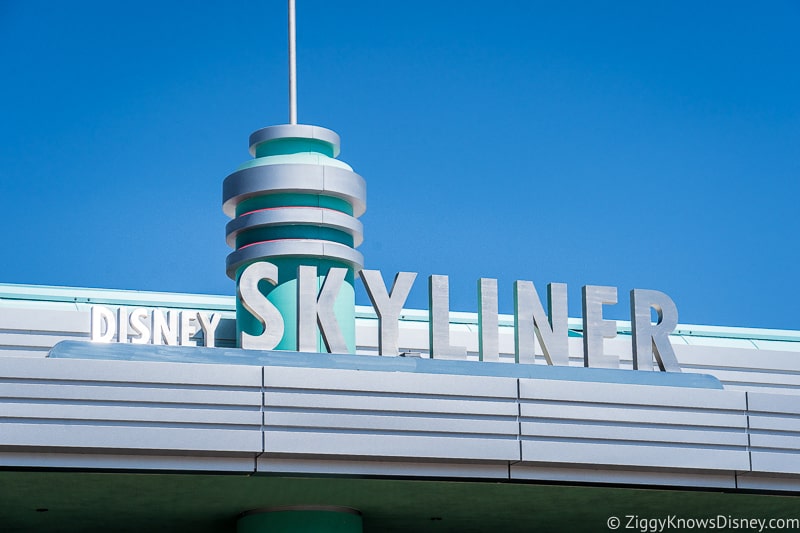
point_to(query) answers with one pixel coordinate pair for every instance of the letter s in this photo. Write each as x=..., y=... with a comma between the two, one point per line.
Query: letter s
x=262, y=309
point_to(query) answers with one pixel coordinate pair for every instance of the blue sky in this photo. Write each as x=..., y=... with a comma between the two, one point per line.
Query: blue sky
x=634, y=144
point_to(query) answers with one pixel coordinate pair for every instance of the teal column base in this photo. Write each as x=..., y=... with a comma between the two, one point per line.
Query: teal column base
x=321, y=519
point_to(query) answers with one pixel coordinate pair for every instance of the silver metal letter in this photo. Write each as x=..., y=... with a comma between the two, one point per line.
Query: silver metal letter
x=551, y=329
x=122, y=324
x=488, y=327
x=104, y=324
x=140, y=324
x=653, y=339
x=313, y=310
x=326, y=317
x=307, y=288
x=188, y=328
x=257, y=305
x=596, y=328
x=165, y=329
x=388, y=305
x=439, y=320
x=209, y=327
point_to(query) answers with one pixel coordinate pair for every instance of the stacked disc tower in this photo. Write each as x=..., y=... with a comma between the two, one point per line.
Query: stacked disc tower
x=295, y=204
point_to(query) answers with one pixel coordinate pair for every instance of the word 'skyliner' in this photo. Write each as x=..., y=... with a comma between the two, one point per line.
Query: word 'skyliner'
x=315, y=310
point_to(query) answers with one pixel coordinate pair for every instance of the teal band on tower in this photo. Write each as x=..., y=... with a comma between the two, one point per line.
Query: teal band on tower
x=295, y=205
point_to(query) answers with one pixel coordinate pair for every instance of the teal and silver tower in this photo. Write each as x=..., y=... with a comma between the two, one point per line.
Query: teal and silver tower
x=296, y=206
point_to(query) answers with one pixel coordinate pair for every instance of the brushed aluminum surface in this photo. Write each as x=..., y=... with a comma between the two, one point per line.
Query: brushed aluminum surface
x=293, y=248
x=294, y=178
x=294, y=131
x=388, y=306
x=295, y=216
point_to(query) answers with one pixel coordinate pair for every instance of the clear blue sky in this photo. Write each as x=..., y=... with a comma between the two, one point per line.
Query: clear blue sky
x=634, y=144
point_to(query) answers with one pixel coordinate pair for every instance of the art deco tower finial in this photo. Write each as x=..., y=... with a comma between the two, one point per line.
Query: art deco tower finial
x=296, y=206
x=292, y=65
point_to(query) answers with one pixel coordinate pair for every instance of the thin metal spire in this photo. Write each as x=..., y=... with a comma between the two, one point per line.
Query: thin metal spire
x=292, y=66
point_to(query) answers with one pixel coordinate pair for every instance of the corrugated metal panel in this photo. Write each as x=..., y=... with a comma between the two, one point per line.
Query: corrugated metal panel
x=381, y=414
x=632, y=425
x=785, y=346
x=136, y=407
x=720, y=342
x=43, y=293
x=76, y=413
x=70, y=321
x=32, y=332
x=774, y=433
x=744, y=369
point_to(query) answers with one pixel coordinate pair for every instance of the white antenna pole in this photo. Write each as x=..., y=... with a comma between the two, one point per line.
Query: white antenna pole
x=292, y=66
